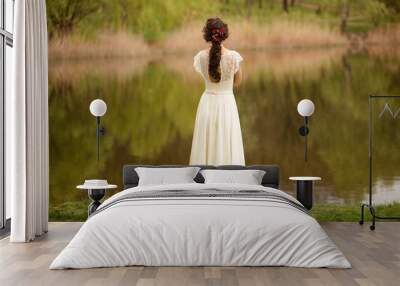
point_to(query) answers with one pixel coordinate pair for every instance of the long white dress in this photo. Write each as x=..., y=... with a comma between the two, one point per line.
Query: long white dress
x=217, y=137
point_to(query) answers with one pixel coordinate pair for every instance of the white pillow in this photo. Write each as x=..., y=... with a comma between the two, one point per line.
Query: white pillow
x=248, y=177
x=163, y=176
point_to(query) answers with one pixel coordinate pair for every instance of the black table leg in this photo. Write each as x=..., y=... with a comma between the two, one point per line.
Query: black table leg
x=96, y=195
x=305, y=193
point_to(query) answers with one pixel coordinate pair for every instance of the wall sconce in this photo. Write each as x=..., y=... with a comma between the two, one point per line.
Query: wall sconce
x=305, y=108
x=98, y=108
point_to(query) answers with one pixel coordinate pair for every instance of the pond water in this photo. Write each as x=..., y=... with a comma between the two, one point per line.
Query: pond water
x=152, y=105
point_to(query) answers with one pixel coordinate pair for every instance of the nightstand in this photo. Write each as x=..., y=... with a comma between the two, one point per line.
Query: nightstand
x=304, y=190
x=96, y=191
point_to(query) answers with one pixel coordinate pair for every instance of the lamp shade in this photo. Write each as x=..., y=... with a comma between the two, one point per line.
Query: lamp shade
x=305, y=107
x=98, y=107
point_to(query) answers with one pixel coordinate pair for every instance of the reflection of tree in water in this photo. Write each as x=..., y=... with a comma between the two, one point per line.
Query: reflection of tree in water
x=151, y=112
x=147, y=112
x=348, y=138
x=339, y=133
x=270, y=121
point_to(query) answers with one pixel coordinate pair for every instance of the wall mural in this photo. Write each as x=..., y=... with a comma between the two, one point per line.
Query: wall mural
x=138, y=57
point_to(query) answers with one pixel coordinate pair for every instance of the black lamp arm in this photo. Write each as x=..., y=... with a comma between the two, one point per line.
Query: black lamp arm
x=100, y=131
x=303, y=130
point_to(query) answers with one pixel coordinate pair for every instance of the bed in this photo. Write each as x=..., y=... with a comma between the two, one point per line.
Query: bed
x=201, y=224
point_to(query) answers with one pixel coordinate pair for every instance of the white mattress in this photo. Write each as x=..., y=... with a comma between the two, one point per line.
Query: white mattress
x=200, y=231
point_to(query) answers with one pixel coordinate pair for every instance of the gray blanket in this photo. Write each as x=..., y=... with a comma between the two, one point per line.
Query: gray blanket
x=199, y=194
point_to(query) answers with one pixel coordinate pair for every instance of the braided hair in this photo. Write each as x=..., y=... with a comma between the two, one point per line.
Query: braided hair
x=215, y=31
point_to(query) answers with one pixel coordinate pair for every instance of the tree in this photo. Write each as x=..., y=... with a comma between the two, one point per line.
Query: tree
x=374, y=11
x=64, y=15
x=345, y=14
x=392, y=4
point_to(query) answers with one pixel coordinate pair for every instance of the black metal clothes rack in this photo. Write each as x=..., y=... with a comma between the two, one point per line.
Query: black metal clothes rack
x=369, y=205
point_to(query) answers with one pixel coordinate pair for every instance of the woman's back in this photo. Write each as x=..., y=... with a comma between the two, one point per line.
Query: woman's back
x=229, y=65
x=217, y=137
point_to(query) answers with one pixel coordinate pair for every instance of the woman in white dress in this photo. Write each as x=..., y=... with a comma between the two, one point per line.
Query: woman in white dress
x=217, y=138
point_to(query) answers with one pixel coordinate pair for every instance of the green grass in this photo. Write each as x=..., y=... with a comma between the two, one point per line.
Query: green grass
x=335, y=212
x=69, y=211
x=77, y=211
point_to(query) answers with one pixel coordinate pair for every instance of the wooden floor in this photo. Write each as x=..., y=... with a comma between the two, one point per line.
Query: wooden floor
x=375, y=257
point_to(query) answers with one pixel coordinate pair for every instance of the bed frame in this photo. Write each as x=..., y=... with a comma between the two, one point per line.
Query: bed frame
x=270, y=179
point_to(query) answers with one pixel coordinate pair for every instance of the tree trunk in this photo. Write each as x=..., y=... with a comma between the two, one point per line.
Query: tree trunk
x=292, y=2
x=124, y=14
x=260, y=4
x=285, y=5
x=249, y=8
x=345, y=17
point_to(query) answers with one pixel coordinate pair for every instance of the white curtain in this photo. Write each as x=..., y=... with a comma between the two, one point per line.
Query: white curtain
x=27, y=124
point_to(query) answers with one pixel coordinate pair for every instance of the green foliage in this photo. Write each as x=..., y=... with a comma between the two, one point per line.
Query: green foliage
x=160, y=16
x=392, y=4
x=151, y=18
x=155, y=18
x=64, y=15
x=374, y=10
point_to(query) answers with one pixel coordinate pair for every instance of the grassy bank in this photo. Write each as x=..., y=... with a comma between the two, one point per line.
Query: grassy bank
x=87, y=29
x=244, y=35
x=69, y=211
x=335, y=212
x=388, y=35
x=77, y=211
x=105, y=45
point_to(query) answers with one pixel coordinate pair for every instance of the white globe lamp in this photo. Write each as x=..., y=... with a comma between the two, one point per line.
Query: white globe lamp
x=98, y=108
x=305, y=108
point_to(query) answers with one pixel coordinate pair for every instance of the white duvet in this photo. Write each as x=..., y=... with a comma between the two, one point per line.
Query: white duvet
x=200, y=231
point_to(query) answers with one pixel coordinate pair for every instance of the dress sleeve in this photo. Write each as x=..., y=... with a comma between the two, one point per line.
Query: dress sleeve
x=237, y=58
x=196, y=63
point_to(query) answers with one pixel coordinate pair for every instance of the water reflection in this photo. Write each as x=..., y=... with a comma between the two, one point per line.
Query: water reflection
x=152, y=105
x=386, y=190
